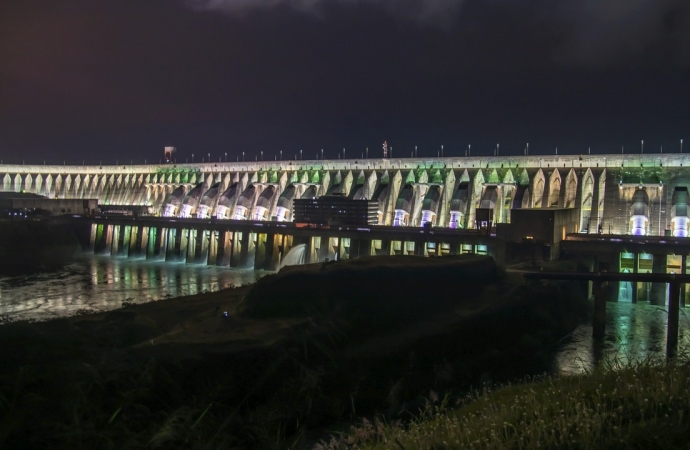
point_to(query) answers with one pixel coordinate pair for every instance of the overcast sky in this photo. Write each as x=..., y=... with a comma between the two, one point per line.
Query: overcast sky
x=120, y=79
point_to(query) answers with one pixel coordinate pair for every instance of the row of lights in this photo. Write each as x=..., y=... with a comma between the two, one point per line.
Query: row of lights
x=365, y=154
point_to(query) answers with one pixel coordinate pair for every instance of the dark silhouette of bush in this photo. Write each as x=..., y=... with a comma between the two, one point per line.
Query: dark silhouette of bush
x=377, y=291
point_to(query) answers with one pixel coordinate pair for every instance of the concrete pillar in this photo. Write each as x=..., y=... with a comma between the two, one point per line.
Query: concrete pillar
x=160, y=242
x=260, y=251
x=636, y=268
x=134, y=241
x=192, y=238
x=244, y=249
x=184, y=243
x=273, y=251
x=224, y=248
x=92, y=237
x=324, y=249
x=344, y=249
x=599, y=317
x=199, y=246
x=363, y=247
x=212, y=248
x=385, y=247
x=658, y=291
x=336, y=249
x=126, y=240
x=203, y=244
x=673, y=316
x=684, y=290
x=308, y=250
x=144, y=247
x=177, y=245
x=151, y=243
x=170, y=247
x=109, y=238
x=236, y=247
x=118, y=236
x=100, y=240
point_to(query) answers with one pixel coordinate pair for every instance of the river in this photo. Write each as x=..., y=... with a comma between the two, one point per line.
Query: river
x=102, y=283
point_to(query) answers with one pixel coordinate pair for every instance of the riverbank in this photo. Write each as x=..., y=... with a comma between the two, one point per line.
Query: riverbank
x=638, y=405
x=252, y=368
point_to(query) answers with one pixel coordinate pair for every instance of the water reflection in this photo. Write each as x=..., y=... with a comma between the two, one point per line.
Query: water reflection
x=104, y=283
x=633, y=332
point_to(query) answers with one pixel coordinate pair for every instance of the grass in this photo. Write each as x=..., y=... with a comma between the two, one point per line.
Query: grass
x=177, y=374
x=634, y=405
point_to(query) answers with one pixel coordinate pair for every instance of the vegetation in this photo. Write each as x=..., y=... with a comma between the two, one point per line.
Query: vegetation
x=639, y=405
x=181, y=373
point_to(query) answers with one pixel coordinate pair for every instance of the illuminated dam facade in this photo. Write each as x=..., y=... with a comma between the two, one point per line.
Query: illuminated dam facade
x=615, y=194
x=617, y=213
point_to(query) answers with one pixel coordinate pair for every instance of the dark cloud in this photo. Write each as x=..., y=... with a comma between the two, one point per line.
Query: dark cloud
x=92, y=79
x=611, y=32
x=427, y=11
x=595, y=32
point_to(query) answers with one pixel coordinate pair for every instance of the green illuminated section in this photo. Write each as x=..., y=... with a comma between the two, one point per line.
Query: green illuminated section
x=493, y=177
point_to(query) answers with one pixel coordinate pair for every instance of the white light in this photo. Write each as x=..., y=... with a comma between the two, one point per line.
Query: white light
x=455, y=219
x=639, y=225
x=204, y=212
x=169, y=210
x=281, y=214
x=222, y=211
x=400, y=219
x=240, y=213
x=260, y=213
x=428, y=217
x=680, y=226
x=186, y=211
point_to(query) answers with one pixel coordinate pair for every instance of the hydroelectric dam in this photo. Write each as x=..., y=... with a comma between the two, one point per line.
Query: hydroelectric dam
x=624, y=212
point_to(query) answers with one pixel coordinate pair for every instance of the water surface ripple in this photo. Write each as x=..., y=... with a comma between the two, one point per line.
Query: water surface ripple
x=102, y=283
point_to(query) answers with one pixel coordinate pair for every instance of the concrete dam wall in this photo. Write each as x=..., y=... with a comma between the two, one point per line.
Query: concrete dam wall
x=619, y=194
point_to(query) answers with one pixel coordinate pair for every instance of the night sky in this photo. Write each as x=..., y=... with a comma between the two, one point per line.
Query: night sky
x=120, y=79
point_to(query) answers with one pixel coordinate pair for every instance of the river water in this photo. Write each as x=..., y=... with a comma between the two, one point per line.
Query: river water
x=102, y=283
x=633, y=332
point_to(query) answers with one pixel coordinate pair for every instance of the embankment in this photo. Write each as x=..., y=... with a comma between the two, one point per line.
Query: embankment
x=306, y=350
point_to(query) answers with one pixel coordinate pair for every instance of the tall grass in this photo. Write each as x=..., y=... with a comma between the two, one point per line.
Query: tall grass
x=644, y=404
